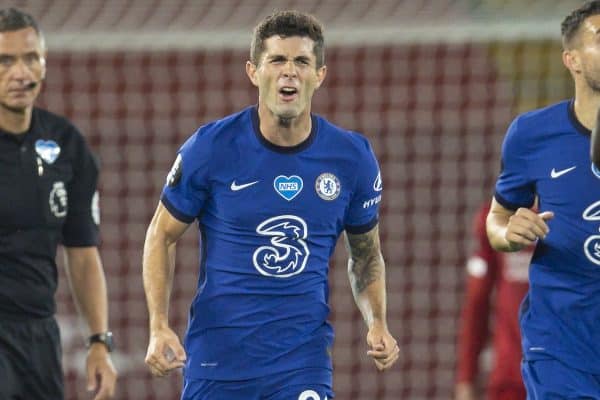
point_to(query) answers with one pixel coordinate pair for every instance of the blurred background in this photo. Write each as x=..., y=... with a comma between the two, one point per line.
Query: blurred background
x=432, y=83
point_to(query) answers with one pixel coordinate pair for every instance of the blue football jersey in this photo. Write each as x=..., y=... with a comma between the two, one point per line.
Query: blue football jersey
x=269, y=218
x=546, y=153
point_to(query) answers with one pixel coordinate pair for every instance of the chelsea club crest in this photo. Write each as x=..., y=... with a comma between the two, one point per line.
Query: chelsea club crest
x=328, y=186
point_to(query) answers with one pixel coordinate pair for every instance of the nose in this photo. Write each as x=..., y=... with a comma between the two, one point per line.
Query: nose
x=289, y=69
x=21, y=71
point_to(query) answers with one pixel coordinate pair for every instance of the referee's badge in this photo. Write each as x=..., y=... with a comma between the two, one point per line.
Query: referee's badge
x=328, y=186
x=48, y=150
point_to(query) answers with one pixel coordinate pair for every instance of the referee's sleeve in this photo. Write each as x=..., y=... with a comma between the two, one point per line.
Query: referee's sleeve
x=83, y=217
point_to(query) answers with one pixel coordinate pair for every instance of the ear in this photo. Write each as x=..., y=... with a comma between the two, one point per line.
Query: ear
x=572, y=61
x=43, y=64
x=321, y=74
x=251, y=72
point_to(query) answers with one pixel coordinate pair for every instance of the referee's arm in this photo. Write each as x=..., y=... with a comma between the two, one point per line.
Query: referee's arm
x=88, y=285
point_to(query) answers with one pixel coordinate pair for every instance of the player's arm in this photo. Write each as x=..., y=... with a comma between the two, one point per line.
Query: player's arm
x=366, y=270
x=165, y=351
x=595, y=145
x=510, y=230
x=88, y=286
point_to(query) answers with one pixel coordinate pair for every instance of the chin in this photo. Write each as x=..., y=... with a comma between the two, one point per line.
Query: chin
x=287, y=115
x=287, y=112
x=17, y=107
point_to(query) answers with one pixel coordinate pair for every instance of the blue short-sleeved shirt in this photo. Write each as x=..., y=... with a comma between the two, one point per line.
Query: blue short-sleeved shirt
x=546, y=153
x=269, y=219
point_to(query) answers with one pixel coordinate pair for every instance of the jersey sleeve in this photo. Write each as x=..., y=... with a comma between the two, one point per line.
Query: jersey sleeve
x=482, y=273
x=83, y=216
x=514, y=187
x=363, y=211
x=187, y=185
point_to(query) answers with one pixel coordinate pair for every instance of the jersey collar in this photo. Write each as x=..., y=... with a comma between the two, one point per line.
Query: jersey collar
x=578, y=126
x=283, y=149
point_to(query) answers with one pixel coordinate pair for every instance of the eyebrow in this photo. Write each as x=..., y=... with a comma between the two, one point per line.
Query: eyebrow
x=28, y=53
x=281, y=56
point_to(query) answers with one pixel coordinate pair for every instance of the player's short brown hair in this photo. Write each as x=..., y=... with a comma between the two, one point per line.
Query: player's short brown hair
x=572, y=22
x=287, y=24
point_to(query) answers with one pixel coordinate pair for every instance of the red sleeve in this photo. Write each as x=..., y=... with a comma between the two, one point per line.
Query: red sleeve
x=482, y=272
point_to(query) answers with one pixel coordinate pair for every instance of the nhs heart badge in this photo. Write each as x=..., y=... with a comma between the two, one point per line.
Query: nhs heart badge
x=288, y=187
x=48, y=150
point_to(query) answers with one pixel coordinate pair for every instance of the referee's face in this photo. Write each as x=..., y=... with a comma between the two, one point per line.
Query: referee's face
x=22, y=68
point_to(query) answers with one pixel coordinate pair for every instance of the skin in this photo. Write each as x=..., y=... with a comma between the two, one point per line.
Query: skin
x=285, y=121
x=88, y=286
x=286, y=62
x=464, y=391
x=366, y=271
x=165, y=351
x=510, y=230
x=22, y=62
x=582, y=59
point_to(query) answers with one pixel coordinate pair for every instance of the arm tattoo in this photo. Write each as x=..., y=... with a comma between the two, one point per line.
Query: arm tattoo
x=366, y=263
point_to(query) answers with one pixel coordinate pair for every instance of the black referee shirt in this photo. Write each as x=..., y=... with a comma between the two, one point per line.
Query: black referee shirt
x=48, y=180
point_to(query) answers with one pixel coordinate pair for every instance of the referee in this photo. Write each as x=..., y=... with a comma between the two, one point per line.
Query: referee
x=47, y=196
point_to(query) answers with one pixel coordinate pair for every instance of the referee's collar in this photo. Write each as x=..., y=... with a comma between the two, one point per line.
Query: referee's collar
x=20, y=137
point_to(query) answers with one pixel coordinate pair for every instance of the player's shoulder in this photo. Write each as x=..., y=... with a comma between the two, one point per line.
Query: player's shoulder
x=554, y=117
x=221, y=129
x=341, y=137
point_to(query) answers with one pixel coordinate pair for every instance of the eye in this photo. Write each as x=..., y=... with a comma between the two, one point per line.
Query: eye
x=6, y=61
x=278, y=60
x=31, y=58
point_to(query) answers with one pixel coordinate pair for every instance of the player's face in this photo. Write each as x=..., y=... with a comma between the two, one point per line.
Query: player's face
x=287, y=76
x=22, y=68
x=588, y=50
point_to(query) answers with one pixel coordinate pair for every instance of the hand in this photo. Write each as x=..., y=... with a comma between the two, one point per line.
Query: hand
x=464, y=391
x=165, y=352
x=525, y=227
x=383, y=348
x=101, y=374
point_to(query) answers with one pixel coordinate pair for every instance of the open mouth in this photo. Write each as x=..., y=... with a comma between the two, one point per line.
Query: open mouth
x=288, y=93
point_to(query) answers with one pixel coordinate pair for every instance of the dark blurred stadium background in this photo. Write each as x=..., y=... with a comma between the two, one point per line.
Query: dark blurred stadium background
x=432, y=83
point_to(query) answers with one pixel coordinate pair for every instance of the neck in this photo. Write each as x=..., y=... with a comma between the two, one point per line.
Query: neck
x=15, y=121
x=284, y=132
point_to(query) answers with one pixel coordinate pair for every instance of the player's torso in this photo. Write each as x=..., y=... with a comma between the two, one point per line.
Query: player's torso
x=275, y=214
x=568, y=185
x=547, y=154
x=269, y=221
x=511, y=288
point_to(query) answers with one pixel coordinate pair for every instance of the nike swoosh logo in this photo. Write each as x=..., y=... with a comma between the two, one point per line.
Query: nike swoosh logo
x=555, y=174
x=235, y=187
